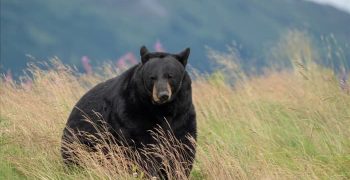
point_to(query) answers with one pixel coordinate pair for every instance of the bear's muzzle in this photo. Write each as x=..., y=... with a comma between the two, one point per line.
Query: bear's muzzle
x=161, y=92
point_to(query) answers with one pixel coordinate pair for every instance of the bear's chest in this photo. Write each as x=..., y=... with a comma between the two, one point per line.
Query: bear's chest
x=137, y=129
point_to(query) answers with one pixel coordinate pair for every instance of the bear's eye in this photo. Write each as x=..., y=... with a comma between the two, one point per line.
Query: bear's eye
x=153, y=78
x=170, y=76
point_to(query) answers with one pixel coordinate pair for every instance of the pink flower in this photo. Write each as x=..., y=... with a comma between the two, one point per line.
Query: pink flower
x=86, y=64
x=8, y=76
x=126, y=60
x=159, y=47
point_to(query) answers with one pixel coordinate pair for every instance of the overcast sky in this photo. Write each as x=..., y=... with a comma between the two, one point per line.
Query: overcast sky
x=339, y=4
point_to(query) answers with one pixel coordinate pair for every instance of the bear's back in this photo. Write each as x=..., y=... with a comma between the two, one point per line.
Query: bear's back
x=91, y=105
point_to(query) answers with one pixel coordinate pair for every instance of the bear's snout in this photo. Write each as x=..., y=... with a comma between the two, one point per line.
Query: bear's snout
x=163, y=96
x=161, y=92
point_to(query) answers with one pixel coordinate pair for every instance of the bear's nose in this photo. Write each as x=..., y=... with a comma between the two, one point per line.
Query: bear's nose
x=163, y=96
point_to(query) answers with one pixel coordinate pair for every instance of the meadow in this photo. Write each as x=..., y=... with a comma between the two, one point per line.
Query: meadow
x=286, y=123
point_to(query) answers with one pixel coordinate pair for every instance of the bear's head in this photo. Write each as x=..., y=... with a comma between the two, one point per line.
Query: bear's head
x=162, y=74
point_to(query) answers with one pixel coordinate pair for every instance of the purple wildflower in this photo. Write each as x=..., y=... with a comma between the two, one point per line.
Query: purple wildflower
x=159, y=47
x=126, y=60
x=86, y=64
x=8, y=77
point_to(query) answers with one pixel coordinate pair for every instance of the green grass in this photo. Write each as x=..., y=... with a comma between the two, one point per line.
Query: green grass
x=7, y=149
x=291, y=124
x=278, y=138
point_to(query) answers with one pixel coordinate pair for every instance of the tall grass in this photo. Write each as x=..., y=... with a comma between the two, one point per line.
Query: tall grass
x=286, y=124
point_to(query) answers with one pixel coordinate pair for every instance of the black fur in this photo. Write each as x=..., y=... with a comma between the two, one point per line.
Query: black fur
x=126, y=105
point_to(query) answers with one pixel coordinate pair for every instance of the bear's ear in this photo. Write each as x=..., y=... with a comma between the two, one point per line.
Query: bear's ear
x=143, y=50
x=143, y=53
x=183, y=56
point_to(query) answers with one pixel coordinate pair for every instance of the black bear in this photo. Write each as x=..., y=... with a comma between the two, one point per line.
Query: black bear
x=154, y=93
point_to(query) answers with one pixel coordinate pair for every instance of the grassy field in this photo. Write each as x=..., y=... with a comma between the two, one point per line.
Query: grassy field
x=285, y=124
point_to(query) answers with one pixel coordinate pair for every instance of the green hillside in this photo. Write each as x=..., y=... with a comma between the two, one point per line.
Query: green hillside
x=106, y=29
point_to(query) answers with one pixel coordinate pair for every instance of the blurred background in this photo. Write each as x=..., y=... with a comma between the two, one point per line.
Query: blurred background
x=91, y=32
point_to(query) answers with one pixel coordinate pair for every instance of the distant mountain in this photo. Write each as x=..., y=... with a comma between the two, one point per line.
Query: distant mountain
x=343, y=5
x=107, y=29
